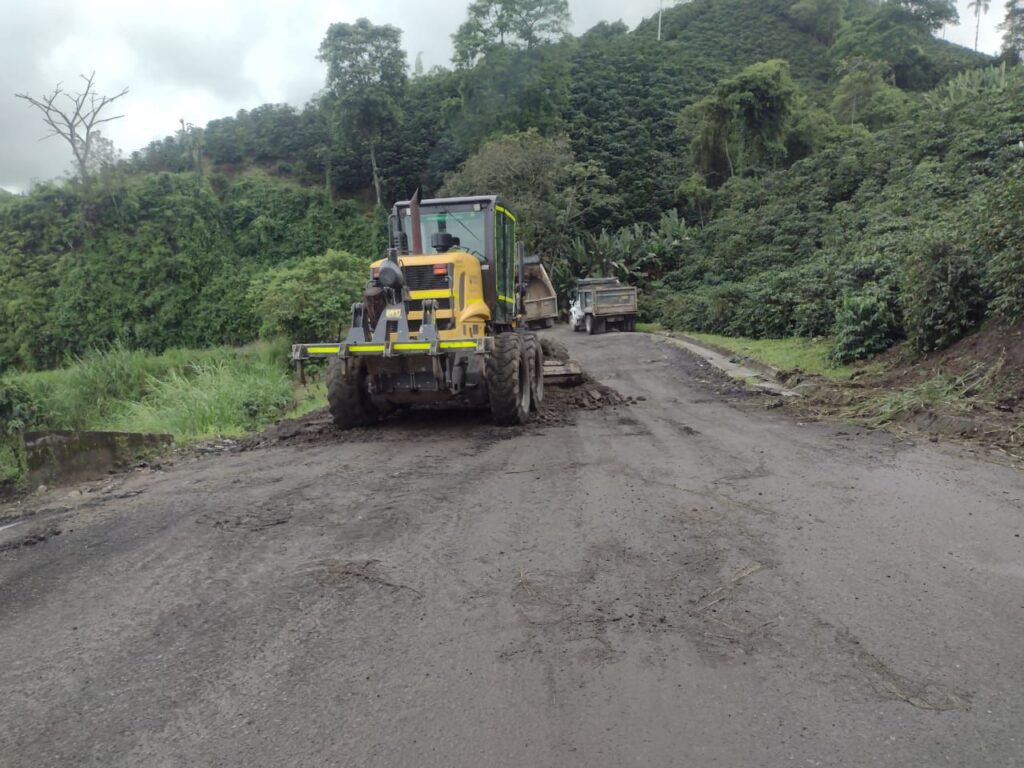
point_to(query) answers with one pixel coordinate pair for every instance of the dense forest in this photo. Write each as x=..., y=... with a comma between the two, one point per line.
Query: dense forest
x=764, y=168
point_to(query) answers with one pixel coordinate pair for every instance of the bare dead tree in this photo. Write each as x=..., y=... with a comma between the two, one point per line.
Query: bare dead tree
x=75, y=118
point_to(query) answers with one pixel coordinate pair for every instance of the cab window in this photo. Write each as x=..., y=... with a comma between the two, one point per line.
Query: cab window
x=505, y=249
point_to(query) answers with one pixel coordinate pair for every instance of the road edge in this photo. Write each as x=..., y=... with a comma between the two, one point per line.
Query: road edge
x=753, y=373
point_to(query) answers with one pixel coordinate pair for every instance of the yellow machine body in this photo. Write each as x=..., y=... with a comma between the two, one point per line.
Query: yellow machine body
x=464, y=313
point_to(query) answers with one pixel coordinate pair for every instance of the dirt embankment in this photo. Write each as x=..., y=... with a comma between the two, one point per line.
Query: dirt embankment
x=972, y=390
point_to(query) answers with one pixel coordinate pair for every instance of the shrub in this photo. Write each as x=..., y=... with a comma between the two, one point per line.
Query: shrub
x=865, y=325
x=941, y=294
x=17, y=410
x=1001, y=235
x=311, y=299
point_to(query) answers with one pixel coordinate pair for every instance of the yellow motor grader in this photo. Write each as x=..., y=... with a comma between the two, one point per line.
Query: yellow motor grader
x=442, y=318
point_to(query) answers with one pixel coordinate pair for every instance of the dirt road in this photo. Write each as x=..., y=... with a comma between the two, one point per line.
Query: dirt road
x=692, y=580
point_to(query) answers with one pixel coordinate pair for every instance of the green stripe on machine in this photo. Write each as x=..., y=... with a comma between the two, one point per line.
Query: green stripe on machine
x=322, y=350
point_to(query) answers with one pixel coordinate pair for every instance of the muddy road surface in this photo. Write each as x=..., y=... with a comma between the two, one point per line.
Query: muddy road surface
x=687, y=580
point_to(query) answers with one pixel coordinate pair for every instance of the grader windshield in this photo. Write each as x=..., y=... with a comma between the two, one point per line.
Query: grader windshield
x=468, y=226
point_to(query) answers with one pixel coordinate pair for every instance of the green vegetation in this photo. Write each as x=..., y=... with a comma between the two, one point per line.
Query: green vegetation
x=192, y=394
x=946, y=392
x=902, y=233
x=310, y=298
x=812, y=356
x=157, y=260
x=16, y=411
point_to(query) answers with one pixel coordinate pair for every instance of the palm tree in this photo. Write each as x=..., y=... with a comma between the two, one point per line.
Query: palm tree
x=979, y=7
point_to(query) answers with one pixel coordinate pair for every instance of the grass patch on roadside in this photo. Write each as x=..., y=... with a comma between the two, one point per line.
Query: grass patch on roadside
x=191, y=394
x=307, y=399
x=809, y=355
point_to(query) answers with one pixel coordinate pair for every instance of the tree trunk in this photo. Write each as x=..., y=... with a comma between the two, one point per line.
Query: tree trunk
x=977, y=31
x=376, y=174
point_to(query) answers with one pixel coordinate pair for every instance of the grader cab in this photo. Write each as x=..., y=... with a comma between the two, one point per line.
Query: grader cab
x=442, y=318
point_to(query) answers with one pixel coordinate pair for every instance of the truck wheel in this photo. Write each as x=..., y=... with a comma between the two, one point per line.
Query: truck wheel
x=508, y=380
x=590, y=325
x=348, y=397
x=535, y=354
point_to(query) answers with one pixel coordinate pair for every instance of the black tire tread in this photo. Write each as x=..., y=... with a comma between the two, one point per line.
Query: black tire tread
x=535, y=354
x=349, y=403
x=503, y=379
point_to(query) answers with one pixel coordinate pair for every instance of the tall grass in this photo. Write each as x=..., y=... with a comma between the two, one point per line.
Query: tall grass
x=192, y=394
x=212, y=399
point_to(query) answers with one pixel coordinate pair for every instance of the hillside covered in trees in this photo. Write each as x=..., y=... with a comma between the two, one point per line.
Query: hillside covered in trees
x=765, y=168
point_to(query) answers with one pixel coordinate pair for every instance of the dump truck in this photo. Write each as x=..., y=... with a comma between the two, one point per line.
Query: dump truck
x=442, y=318
x=541, y=303
x=602, y=303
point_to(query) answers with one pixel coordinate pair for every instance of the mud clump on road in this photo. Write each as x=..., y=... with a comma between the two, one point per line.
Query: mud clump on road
x=591, y=395
x=559, y=408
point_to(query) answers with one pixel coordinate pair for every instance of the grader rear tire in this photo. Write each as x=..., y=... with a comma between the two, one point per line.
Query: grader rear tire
x=348, y=397
x=535, y=356
x=508, y=380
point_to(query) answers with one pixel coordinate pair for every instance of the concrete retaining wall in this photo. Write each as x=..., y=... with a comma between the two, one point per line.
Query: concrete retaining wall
x=62, y=458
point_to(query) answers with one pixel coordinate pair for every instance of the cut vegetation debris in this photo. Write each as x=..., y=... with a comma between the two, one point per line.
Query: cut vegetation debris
x=964, y=393
x=974, y=390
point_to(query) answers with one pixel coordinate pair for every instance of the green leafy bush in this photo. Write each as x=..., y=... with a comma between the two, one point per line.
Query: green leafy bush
x=941, y=293
x=865, y=325
x=1001, y=233
x=309, y=300
x=17, y=410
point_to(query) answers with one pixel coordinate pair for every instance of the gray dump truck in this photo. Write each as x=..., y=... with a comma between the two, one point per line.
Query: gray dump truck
x=603, y=303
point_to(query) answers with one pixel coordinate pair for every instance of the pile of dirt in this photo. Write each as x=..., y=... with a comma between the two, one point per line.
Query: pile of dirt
x=560, y=403
x=554, y=349
x=313, y=427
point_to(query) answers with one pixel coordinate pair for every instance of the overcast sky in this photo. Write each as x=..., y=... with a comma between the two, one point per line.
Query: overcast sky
x=204, y=59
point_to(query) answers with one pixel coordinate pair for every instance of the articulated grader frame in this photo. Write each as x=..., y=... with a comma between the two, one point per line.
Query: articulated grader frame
x=441, y=325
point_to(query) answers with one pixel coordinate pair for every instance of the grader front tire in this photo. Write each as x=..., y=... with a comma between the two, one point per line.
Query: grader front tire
x=508, y=380
x=348, y=397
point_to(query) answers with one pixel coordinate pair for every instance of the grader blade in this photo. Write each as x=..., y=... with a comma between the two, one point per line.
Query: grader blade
x=563, y=373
